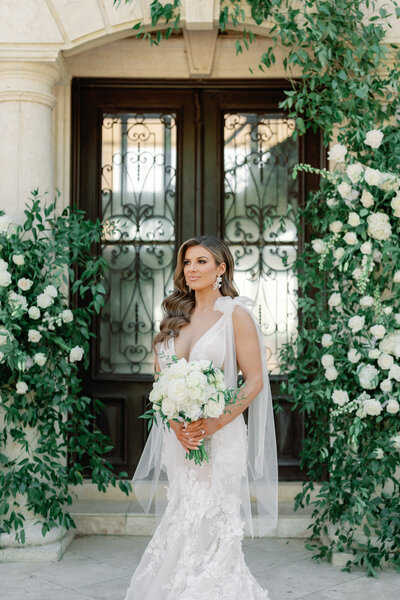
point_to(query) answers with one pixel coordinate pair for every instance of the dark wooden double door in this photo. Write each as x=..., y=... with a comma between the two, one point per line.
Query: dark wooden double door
x=166, y=161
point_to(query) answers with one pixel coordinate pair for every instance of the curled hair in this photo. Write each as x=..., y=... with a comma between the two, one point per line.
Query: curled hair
x=178, y=306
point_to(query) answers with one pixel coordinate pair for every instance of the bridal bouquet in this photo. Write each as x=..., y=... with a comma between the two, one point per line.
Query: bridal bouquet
x=189, y=391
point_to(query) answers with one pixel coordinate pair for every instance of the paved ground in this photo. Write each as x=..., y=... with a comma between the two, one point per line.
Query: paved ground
x=100, y=568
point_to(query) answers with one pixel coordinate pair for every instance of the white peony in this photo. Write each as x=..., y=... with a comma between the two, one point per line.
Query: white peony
x=331, y=374
x=34, y=312
x=385, y=361
x=366, y=301
x=374, y=138
x=354, y=172
x=353, y=219
x=39, y=358
x=21, y=387
x=336, y=226
x=379, y=226
x=378, y=331
x=338, y=253
x=24, y=284
x=327, y=360
x=67, y=315
x=356, y=323
x=76, y=353
x=44, y=300
x=350, y=238
x=18, y=259
x=340, y=397
x=334, y=299
x=34, y=336
x=353, y=355
x=372, y=176
x=372, y=407
x=386, y=385
x=344, y=189
x=367, y=199
x=368, y=376
x=337, y=153
x=5, y=278
x=326, y=340
x=394, y=372
x=366, y=248
x=51, y=290
x=318, y=245
x=392, y=406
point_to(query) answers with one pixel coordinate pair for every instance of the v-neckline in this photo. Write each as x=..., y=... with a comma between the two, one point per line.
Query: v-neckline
x=197, y=341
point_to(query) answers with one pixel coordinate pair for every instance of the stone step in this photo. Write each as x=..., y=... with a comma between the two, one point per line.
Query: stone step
x=122, y=517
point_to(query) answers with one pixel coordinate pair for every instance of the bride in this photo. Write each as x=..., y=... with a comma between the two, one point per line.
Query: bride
x=196, y=550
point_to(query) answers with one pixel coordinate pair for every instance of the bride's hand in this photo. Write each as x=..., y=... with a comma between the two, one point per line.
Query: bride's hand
x=202, y=428
x=188, y=441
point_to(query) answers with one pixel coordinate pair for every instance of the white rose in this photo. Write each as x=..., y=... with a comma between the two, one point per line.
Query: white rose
x=326, y=340
x=21, y=387
x=34, y=336
x=385, y=361
x=374, y=138
x=318, y=245
x=336, y=226
x=366, y=301
x=354, y=219
x=368, y=376
x=396, y=277
x=344, y=189
x=178, y=369
x=379, y=226
x=25, y=284
x=386, y=385
x=391, y=343
x=374, y=353
x=327, y=360
x=372, y=407
x=67, y=315
x=39, y=358
x=34, y=312
x=392, y=406
x=354, y=172
x=378, y=331
x=366, y=248
x=394, y=372
x=350, y=238
x=50, y=290
x=395, y=439
x=367, y=199
x=4, y=223
x=377, y=256
x=334, y=299
x=388, y=310
x=353, y=355
x=390, y=182
x=337, y=153
x=44, y=300
x=338, y=253
x=213, y=409
x=372, y=176
x=5, y=278
x=331, y=202
x=340, y=397
x=76, y=353
x=196, y=378
x=18, y=259
x=331, y=373
x=156, y=393
x=356, y=323
x=379, y=453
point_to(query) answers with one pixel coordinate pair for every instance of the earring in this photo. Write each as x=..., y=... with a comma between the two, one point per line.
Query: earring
x=217, y=283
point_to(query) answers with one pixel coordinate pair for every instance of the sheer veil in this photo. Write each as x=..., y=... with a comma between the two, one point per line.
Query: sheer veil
x=259, y=488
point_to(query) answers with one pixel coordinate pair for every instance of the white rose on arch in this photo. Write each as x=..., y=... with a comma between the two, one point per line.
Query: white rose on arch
x=372, y=176
x=326, y=340
x=340, y=397
x=378, y=331
x=394, y=372
x=350, y=238
x=44, y=300
x=368, y=376
x=353, y=355
x=385, y=361
x=76, y=353
x=366, y=248
x=337, y=153
x=331, y=373
x=366, y=301
x=356, y=323
x=374, y=138
x=327, y=360
x=34, y=336
x=367, y=199
x=372, y=407
x=318, y=245
x=392, y=406
x=354, y=172
x=336, y=226
x=353, y=219
x=344, y=190
x=335, y=299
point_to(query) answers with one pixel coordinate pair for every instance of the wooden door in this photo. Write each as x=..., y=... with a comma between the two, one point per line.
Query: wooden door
x=168, y=161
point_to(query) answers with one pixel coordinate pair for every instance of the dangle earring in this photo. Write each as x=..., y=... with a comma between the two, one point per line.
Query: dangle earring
x=217, y=283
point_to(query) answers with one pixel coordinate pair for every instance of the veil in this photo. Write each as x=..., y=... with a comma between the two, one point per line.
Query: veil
x=259, y=488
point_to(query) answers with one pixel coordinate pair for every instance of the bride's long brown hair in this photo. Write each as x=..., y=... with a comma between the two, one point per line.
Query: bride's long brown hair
x=178, y=306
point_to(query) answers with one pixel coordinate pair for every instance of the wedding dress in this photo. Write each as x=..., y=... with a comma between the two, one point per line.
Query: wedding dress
x=196, y=550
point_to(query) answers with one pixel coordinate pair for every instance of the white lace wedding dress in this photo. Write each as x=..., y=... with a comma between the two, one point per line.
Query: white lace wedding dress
x=196, y=551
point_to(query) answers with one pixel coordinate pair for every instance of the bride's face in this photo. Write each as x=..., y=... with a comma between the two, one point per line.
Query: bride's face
x=199, y=268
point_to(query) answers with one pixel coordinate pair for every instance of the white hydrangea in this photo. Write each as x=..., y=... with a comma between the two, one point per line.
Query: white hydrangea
x=327, y=360
x=353, y=219
x=340, y=397
x=331, y=373
x=378, y=331
x=318, y=245
x=336, y=226
x=356, y=323
x=372, y=176
x=374, y=138
x=385, y=361
x=366, y=248
x=379, y=226
x=353, y=355
x=337, y=153
x=350, y=238
x=367, y=199
x=354, y=172
x=368, y=376
x=392, y=406
x=326, y=340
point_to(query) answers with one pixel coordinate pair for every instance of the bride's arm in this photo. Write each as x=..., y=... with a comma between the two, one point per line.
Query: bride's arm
x=249, y=362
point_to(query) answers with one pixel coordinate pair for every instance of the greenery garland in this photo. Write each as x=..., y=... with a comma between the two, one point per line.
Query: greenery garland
x=44, y=419
x=349, y=85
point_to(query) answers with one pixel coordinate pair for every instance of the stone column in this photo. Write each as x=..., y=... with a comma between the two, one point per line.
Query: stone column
x=26, y=163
